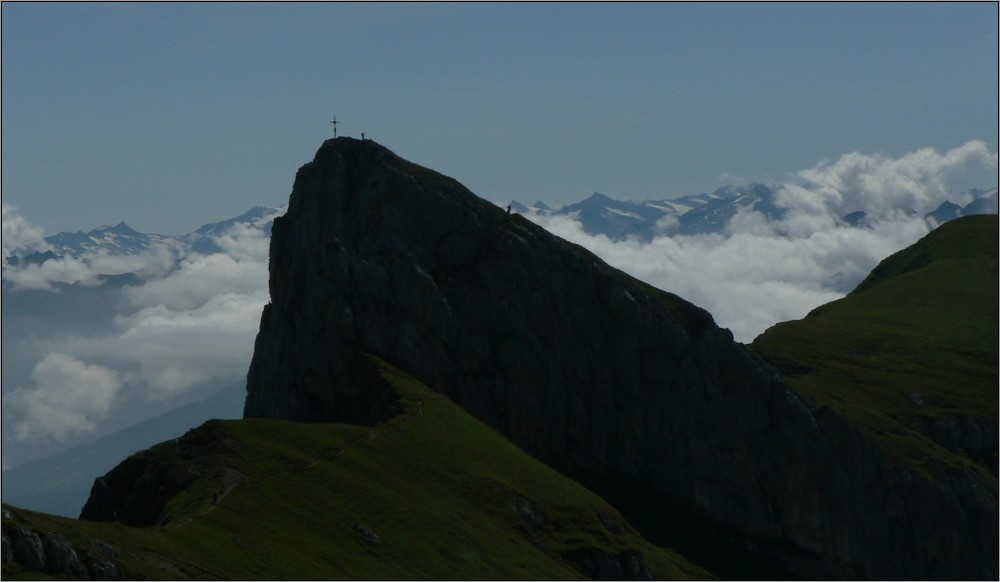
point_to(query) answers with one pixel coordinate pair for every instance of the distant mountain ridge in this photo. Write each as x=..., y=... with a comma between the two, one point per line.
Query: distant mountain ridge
x=710, y=213
x=984, y=202
x=599, y=214
x=121, y=239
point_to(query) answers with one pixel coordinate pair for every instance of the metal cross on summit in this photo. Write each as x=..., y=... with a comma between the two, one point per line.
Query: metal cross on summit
x=334, y=122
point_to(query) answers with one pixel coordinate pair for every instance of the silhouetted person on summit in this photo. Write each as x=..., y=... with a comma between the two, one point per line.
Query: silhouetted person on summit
x=508, y=209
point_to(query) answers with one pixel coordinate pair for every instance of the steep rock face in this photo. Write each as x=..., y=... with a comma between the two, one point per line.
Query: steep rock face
x=599, y=375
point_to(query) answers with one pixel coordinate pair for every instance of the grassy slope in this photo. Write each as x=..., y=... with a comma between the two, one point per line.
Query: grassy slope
x=916, y=342
x=280, y=500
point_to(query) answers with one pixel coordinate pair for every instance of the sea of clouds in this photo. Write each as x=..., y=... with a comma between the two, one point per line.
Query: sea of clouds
x=188, y=327
x=184, y=331
x=760, y=272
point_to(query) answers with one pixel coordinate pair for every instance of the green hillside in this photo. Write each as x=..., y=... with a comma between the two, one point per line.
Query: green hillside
x=911, y=354
x=433, y=493
x=61, y=483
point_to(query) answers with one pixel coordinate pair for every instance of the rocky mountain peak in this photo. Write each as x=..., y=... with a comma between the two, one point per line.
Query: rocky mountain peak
x=597, y=197
x=633, y=391
x=122, y=229
x=396, y=260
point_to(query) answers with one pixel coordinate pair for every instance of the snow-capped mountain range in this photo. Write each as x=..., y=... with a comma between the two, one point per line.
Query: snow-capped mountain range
x=599, y=214
x=709, y=213
x=121, y=239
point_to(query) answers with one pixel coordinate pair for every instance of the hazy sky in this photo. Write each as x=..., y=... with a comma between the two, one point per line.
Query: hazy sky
x=173, y=115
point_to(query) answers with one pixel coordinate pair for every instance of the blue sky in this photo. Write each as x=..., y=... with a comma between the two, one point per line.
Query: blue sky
x=172, y=115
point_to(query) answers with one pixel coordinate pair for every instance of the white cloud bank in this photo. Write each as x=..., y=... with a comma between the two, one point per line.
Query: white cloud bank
x=759, y=273
x=884, y=188
x=189, y=326
x=157, y=262
x=68, y=397
x=18, y=233
x=750, y=280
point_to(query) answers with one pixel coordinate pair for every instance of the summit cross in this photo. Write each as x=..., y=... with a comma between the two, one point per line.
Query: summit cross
x=334, y=122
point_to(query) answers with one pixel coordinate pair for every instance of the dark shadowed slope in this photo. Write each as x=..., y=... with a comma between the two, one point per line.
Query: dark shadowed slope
x=431, y=494
x=911, y=354
x=61, y=483
x=630, y=389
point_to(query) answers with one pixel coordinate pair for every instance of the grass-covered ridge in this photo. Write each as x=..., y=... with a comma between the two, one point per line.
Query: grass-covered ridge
x=912, y=354
x=432, y=493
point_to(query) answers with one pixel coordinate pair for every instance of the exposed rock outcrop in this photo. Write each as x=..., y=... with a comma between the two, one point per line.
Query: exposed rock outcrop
x=603, y=566
x=630, y=389
x=138, y=490
x=134, y=493
x=43, y=552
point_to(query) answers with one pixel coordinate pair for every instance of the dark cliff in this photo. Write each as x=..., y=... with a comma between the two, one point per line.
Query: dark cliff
x=630, y=389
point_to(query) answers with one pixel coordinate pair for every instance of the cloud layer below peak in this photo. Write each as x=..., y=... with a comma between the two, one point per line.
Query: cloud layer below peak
x=180, y=331
x=759, y=272
x=187, y=323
